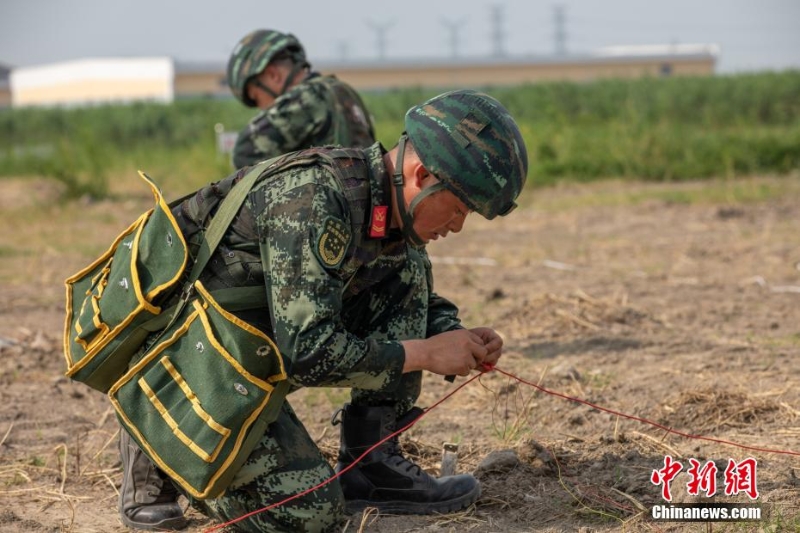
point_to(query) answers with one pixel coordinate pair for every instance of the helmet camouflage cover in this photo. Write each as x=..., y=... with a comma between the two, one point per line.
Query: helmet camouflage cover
x=252, y=55
x=469, y=141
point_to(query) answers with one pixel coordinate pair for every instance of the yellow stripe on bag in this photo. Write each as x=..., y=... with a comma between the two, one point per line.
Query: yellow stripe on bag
x=192, y=397
x=162, y=410
x=159, y=198
x=233, y=319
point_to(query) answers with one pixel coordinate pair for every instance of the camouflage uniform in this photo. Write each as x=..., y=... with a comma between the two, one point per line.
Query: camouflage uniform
x=340, y=302
x=343, y=291
x=321, y=110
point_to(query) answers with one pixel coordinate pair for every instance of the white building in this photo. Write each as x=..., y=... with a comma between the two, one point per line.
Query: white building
x=93, y=81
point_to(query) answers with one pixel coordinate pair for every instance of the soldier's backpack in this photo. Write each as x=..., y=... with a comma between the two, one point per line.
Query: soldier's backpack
x=113, y=304
x=200, y=394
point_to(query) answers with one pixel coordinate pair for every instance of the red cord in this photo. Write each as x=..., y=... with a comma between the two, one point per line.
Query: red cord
x=351, y=465
x=485, y=368
x=646, y=421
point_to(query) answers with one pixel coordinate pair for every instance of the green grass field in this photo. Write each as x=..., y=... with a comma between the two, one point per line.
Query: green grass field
x=652, y=129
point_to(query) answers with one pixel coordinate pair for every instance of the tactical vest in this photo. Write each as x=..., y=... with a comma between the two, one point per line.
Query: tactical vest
x=237, y=261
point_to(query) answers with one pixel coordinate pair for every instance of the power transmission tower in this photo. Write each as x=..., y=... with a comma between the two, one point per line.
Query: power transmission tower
x=453, y=26
x=561, y=32
x=498, y=32
x=380, y=36
x=344, y=51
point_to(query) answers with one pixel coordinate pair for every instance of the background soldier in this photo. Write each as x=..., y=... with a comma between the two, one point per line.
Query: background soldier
x=338, y=236
x=299, y=107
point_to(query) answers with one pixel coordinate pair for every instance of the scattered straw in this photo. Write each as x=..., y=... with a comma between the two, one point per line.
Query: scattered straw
x=581, y=322
x=111, y=482
x=63, y=466
x=636, y=503
x=710, y=410
x=463, y=519
x=660, y=444
x=368, y=518
x=108, y=442
x=3, y=440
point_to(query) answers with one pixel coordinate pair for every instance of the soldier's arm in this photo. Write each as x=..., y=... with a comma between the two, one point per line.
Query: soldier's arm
x=305, y=293
x=442, y=313
x=292, y=123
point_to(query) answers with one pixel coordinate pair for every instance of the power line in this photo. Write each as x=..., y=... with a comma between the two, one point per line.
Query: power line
x=649, y=24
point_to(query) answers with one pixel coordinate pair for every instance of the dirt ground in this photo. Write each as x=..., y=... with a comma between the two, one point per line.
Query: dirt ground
x=675, y=303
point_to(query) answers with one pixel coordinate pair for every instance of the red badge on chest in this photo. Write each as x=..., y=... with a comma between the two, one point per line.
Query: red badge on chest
x=377, y=227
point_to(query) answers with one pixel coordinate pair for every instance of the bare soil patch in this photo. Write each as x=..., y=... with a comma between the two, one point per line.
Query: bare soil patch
x=685, y=313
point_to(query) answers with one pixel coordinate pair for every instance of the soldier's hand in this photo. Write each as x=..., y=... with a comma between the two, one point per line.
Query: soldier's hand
x=453, y=352
x=493, y=343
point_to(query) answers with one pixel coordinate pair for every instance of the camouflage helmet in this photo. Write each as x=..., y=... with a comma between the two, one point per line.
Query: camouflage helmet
x=253, y=53
x=469, y=141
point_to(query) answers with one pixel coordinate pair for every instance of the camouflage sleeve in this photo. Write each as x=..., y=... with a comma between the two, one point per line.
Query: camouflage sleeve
x=305, y=233
x=297, y=117
x=442, y=313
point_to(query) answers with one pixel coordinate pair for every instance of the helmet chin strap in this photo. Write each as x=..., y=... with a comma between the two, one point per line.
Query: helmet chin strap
x=297, y=67
x=407, y=215
x=264, y=88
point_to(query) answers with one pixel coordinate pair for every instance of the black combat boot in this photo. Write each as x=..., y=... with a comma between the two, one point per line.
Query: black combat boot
x=146, y=499
x=384, y=478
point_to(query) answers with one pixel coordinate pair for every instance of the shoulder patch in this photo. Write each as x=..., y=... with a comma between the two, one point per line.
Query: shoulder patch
x=334, y=237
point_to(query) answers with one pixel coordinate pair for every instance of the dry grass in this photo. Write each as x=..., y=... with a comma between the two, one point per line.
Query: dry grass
x=668, y=314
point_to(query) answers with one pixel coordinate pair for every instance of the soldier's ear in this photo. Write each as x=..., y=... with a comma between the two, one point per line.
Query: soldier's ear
x=421, y=174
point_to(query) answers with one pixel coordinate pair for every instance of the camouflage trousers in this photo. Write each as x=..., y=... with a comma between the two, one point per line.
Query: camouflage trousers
x=286, y=460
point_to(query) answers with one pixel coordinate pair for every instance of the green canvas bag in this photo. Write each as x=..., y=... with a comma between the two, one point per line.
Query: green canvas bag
x=199, y=399
x=112, y=302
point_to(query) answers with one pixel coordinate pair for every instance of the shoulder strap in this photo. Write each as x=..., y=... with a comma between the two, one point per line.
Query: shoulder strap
x=224, y=216
x=231, y=299
x=212, y=237
x=236, y=298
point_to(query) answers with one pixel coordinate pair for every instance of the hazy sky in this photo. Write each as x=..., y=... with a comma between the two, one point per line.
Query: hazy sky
x=752, y=35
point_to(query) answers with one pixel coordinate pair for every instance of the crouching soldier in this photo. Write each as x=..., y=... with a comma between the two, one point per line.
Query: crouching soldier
x=336, y=236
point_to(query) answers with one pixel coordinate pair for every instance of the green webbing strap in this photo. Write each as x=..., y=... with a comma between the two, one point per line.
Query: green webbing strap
x=213, y=235
x=270, y=412
x=338, y=116
x=232, y=299
x=225, y=214
x=427, y=191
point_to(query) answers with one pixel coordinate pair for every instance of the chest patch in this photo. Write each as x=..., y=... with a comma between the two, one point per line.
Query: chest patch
x=334, y=237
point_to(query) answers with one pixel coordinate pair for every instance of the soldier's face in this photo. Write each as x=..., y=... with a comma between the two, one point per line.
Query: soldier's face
x=438, y=215
x=272, y=78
